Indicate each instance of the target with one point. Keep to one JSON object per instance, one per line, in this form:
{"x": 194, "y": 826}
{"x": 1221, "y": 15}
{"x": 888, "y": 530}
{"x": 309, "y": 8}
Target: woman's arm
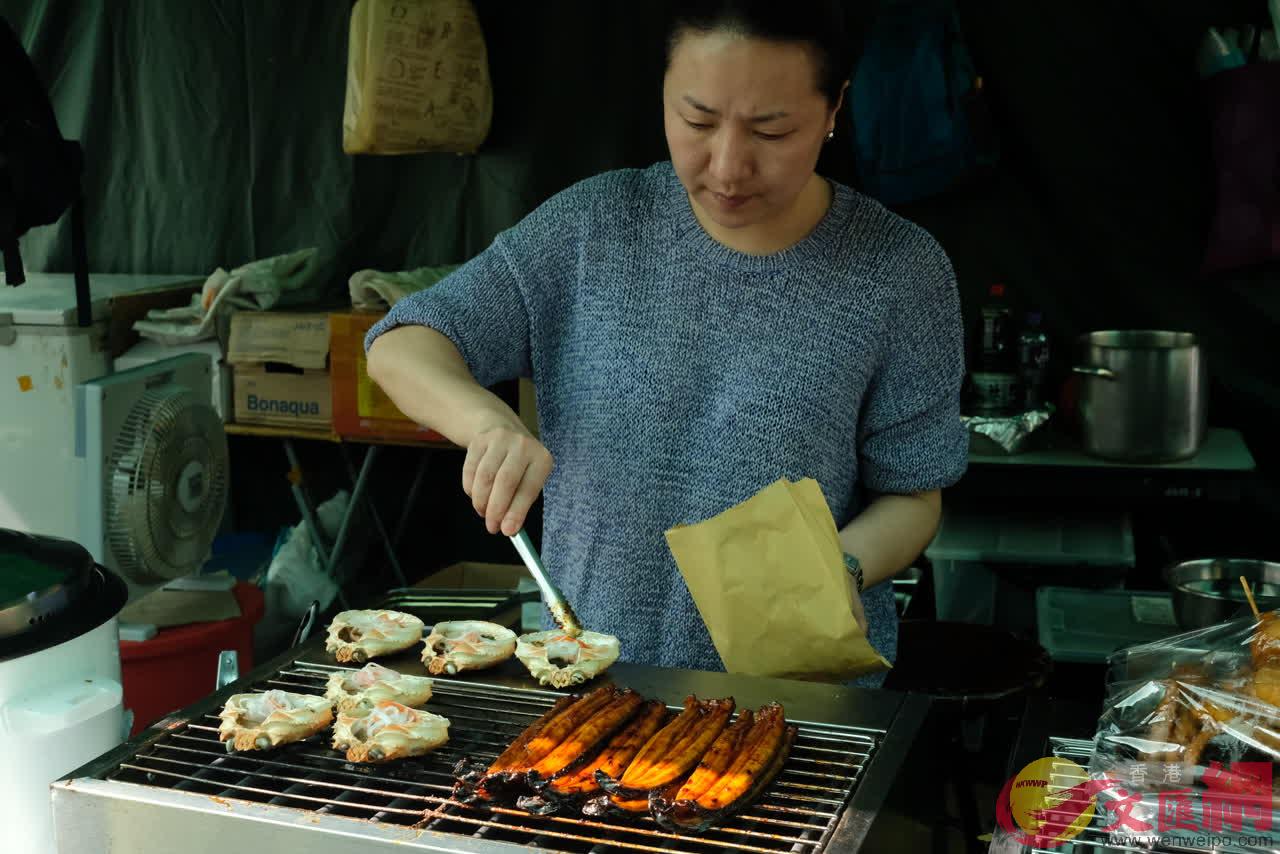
{"x": 426, "y": 377}
{"x": 423, "y": 373}
{"x": 892, "y": 532}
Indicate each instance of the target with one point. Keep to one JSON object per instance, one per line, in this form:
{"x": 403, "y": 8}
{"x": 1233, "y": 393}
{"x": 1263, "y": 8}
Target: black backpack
{"x": 39, "y": 170}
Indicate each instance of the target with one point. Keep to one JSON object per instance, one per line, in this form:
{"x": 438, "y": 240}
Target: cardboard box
{"x": 282, "y": 397}
{"x": 360, "y": 407}
{"x": 280, "y": 374}
{"x": 519, "y": 616}
{"x": 471, "y": 575}
{"x": 299, "y": 340}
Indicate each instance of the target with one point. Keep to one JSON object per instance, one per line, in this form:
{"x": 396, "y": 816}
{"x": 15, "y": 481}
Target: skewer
{"x": 1244, "y": 582}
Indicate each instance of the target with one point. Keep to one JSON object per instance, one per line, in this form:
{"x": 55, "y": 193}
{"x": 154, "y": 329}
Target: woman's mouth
{"x": 730, "y": 202}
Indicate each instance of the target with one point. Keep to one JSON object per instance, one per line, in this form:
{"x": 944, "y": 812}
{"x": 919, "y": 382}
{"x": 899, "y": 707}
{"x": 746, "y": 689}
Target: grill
{"x": 180, "y": 776}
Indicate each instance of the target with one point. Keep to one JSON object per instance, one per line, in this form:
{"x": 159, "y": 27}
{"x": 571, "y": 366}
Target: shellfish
{"x": 374, "y": 683}
{"x": 556, "y": 659}
{"x": 388, "y": 730}
{"x": 467, "y": 645}
{"x": 361, "y": 635}
{"x": 264, "y": 721}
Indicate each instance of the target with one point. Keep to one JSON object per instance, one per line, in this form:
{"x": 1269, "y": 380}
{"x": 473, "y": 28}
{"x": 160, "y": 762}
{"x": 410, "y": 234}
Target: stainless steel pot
{"x": 1208, "y": 592}
{"x": 1144, "y": 395}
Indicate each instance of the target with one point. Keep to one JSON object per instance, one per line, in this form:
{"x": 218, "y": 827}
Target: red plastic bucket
{"x": 178, "y": 666}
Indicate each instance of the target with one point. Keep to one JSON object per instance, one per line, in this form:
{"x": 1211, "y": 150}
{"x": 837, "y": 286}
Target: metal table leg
{"x": 305, "y": 506}
{"x": 357, "y": 495}
{"x": 387, "y": 545}
{"x": 412, "y": 498}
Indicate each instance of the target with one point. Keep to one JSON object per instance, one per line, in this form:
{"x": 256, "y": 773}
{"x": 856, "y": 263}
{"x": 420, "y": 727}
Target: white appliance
{"x": 60, "y": 698}
{"x": 132, "y": 466}
{"x": 44, "y": 355}
{"x": 154, "y": 465}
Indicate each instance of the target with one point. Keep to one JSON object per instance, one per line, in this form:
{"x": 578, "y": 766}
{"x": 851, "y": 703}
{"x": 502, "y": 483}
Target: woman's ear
{"x": 835, "y": 111}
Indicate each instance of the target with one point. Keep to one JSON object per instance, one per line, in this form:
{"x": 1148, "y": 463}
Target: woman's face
{"x": 745, "y": 122}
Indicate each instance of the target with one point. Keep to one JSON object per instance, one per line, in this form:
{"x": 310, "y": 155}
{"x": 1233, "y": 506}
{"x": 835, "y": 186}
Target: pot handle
{"x": 1102, "y": 373}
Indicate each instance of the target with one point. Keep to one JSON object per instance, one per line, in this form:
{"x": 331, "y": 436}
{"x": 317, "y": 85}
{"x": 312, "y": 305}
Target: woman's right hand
{"x": 504, "y": 471}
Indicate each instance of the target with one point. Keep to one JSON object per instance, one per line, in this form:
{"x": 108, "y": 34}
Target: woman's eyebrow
{"x": 703, "y": 108}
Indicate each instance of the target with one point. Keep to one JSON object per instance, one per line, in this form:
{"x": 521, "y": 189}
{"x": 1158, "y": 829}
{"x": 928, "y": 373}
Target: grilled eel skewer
{"x": 509, "y": 771}
{"x": 735, "y": 771}
{"x": 578, "y": 782}
{"x": 670, "y": 755}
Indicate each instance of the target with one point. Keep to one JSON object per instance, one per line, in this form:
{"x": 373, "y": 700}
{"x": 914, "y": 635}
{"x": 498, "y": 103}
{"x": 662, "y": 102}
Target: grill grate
{"x": 798, "y": 813}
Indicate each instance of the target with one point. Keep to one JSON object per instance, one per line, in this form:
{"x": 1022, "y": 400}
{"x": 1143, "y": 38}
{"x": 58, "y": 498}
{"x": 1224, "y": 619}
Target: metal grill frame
{"x": 820, "y": 802}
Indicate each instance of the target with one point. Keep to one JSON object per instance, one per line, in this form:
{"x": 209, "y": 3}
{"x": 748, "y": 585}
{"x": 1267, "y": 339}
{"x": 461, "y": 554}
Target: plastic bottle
{"x": 995, "y": 340}
{"x": 1033, "y": 361}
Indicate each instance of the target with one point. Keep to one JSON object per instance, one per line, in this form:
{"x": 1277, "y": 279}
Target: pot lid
{"x": 39, "y": 577}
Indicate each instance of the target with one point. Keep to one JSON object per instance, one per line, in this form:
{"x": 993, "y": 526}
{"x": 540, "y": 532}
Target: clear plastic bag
{"x": 1186, "y": 747}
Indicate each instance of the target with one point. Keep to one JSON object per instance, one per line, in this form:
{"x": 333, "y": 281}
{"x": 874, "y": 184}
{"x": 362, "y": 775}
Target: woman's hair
{"x": 816, "y": 24}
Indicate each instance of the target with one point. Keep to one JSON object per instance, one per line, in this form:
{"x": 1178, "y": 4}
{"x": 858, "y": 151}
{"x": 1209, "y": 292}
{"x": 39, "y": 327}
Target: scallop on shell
{"x": 556, "y": 659}
{"x": 374, "y": 683}
{"x": 467, "y": 645}
{"x": 264, "y": 721}
{"x": 386, "y": 731}
{"x": 361, "y": 635}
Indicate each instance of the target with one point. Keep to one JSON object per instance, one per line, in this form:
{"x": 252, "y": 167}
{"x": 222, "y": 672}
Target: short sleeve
{"x": 493, "y": 306}
{"x": 481, "y": 308}
{"x": 911, "y": 438}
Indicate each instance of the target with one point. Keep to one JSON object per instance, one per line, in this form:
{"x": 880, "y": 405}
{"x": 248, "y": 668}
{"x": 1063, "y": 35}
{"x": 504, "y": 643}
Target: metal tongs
{"x": 555, "y": 600}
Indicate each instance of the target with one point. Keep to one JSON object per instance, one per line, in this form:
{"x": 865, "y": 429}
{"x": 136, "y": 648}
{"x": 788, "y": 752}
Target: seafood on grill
{"x": 267, "y": 720}
{"x": 610, "y": 752}
{"x": 467, "y": 645}
{"x": 374, "y": 683}
{"x": 744, "y": 760}
{"x": 387, "y": 731}
{"x": 672, "y": 753}
{"x": 555, "y": 658}
{"x": 577, "y": 783}
{"x": 565, "y": 733}
{"x": 361, "y": 635}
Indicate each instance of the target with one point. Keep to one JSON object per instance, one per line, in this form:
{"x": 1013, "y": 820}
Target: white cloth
{"x": 256, "y": 285}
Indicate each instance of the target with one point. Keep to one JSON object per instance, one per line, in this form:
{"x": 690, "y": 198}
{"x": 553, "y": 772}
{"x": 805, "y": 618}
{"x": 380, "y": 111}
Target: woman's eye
{"x": 697, "y": 125}
{"x": 771, "y": 137}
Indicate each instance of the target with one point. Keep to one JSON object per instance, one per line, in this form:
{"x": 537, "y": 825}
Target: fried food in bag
{"x": 1189, "y": 737}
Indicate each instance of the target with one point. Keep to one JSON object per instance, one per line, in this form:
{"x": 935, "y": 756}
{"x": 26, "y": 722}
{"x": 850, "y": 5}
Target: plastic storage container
{"x": 976, "y": 557}
{"x": 1085, "y": 626}
{"x": 179, "y": 665}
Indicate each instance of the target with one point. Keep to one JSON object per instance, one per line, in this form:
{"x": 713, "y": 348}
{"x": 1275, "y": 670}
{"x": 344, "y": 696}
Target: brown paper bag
{"x": 768, "y": 578}
{"x": 417, "y": 78}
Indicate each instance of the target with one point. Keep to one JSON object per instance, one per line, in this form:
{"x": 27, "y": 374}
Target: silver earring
{"x": 831, "y": 134}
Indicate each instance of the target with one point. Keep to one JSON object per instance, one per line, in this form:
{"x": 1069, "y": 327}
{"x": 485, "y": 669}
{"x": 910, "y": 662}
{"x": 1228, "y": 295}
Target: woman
{"x": 697, "y": 330}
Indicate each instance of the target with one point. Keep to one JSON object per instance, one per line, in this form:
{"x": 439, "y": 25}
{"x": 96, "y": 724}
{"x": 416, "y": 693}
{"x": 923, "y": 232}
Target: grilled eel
{"x": 587, "y": 738}
{"x": 672, "y": 753}
{"x": 744, "y": 760}
{"x": 577, "y": 782}
{"x": 509, "y": 771}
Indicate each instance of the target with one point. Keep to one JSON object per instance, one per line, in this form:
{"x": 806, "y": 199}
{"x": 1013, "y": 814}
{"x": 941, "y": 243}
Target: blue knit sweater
{"x": 677, "y": 377}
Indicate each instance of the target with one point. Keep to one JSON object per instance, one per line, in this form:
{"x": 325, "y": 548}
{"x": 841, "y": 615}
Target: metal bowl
{"x": 1208, "y": 592}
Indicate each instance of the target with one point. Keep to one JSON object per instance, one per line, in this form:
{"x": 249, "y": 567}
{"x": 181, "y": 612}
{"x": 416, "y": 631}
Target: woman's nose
{"x": 730, "y": 159}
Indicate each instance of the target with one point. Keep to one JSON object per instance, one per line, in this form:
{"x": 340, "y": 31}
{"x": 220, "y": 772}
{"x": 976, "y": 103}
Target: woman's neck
{"x": 780, "y": 232}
